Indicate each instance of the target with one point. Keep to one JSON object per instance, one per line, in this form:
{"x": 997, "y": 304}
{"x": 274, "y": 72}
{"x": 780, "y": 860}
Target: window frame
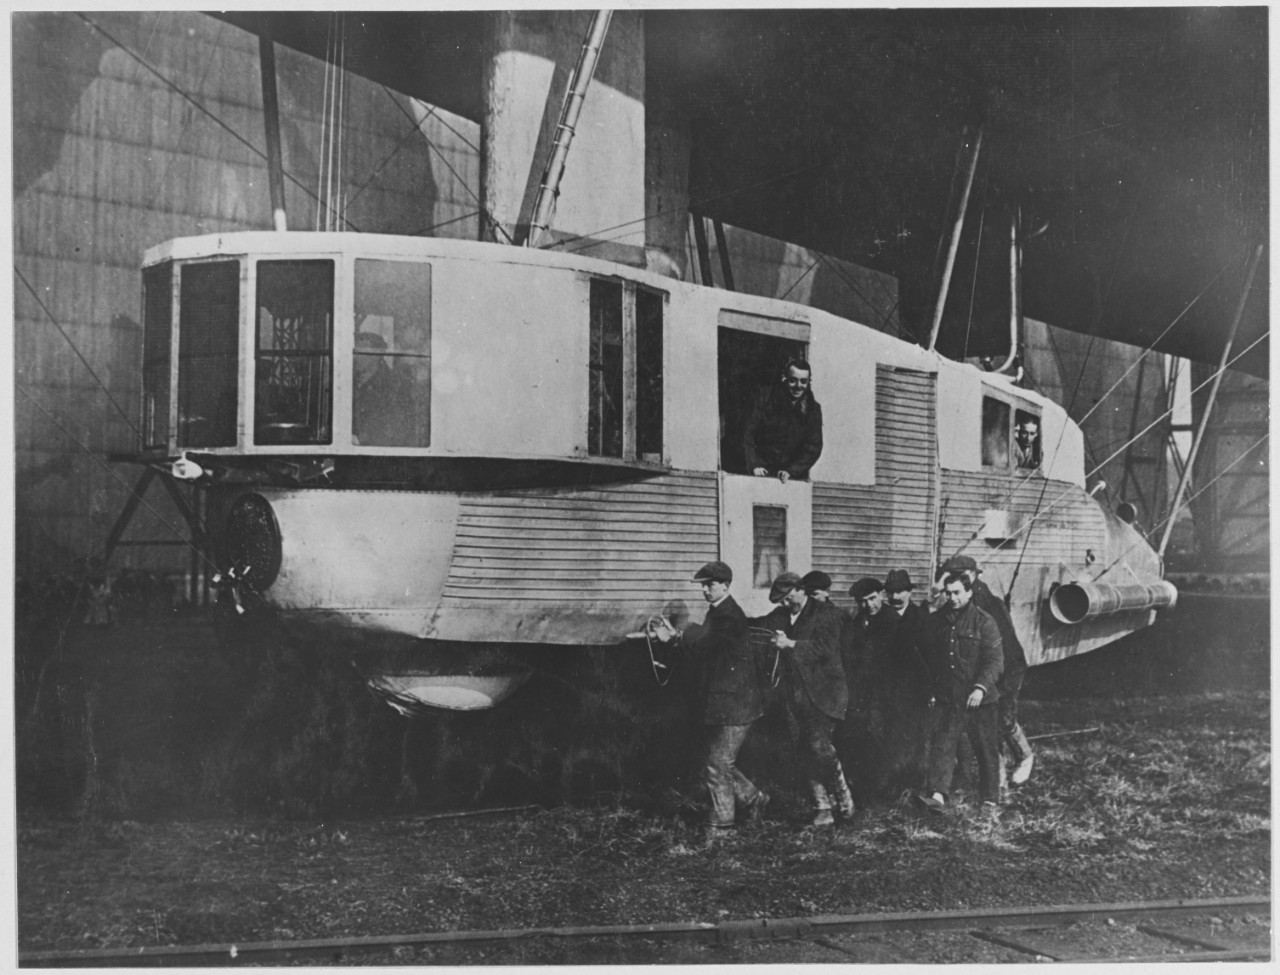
{"x": 1014, "y": 408}
{"x": 1026, "y": 412}
{"x": 630, "y": 406}
{"x": 178, "y": 326}
{"x": 250, "y": 324}
{"x": 346, "y": 331}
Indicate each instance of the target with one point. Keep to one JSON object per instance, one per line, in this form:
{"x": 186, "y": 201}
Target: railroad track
{"x": 1025, "y": 931}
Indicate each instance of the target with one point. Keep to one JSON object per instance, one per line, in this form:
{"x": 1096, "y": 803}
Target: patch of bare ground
{"x": 1162, "y": 798}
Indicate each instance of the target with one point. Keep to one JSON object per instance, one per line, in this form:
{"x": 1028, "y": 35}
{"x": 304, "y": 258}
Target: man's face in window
{"x": 796, "y": 381}
{"x": 1027, "y": 434}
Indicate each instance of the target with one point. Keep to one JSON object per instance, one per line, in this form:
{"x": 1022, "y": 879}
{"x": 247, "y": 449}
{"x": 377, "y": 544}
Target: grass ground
{"x": 1161, "y": 797}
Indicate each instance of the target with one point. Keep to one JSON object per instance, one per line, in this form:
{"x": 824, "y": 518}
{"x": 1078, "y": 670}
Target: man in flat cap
{"x": 807, "y": 633}
{"x": 734, "y": 697}
{"x": 963, "y": 650}
{"x": 873, "y": 681}
{"x": 1015, "y": 668}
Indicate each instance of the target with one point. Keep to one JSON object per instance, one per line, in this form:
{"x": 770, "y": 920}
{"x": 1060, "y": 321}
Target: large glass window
{"x": 624, "y": 384}
{"x": 995, "y": 433}
{"x": 208, "y": 353}
{"x": 604, "y": 417}
{"x": 157, "y": 342}
{"x": 294, "y": 354}
{"x": 391, "y": 366}
{"x": 769, "y": 544}
{"x": 649, "y": 306}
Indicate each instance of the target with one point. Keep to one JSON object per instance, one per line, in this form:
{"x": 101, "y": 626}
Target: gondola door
{"x": 766, "y": 526}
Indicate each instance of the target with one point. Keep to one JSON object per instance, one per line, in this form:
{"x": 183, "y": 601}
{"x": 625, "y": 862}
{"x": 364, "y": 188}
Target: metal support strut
{"x": 579, "y": 81}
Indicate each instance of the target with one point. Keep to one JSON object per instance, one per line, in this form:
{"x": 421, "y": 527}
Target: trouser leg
{"x": 725, "y": 784}
{"x": 1011, "y": 733}
{"x": 982, "y": 725}
{"x": 824, "y": 765}
{"x": 948, "y": 723}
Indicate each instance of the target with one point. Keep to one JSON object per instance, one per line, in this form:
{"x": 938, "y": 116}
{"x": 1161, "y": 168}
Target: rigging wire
{"x": 259, "y": 153}
{"x": 485, "y": 216}
{"x": 973, "y": 284}
{"x": 1042, "y": 511}
{"x": 1163, "y": 521}
{"x": 443, "y": 223}
{"x": 1058, "y": 444}
{"x": 594, "y": 239}
{"x": 96, "y": 378}
{"x": 796, "y": 283}
{"x": 1151, "y": 346}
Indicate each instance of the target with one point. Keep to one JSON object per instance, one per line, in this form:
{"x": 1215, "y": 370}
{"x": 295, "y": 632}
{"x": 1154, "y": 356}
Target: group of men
{"x": 895, "y": 678}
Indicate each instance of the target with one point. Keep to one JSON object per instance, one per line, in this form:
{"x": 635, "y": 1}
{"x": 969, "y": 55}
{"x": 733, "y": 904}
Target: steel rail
{"x": 335, "y": 949}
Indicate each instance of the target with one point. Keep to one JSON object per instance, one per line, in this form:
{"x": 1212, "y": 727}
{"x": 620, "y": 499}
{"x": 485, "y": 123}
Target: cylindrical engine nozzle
{"x": 1075, "y": 602}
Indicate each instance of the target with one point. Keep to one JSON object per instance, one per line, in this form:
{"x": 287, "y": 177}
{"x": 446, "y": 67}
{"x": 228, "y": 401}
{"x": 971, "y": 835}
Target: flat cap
{"x": 815, "y": 581}
{"x": 714, "y": 572}
{"x": 865, "y": 586}
{"x": 783, "y": 585}
{"x": 960, "y": 563}
{"x": 897, "y": 580}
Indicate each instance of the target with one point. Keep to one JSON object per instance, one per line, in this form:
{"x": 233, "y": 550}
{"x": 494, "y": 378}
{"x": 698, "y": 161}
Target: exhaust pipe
{"x": 1076, "y": 602}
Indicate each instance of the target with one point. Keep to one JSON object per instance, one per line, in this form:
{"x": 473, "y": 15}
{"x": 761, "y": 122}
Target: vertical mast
{"x": 271, "y": 119}
{"x": 955, "y": 244}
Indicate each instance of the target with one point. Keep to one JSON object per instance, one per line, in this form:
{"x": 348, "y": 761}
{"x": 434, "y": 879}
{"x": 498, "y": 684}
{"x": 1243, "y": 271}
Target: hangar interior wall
{"x": 132, "y": 128}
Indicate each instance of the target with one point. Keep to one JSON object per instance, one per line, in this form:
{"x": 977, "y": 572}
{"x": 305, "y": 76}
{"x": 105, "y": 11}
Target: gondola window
{"x": 208, "y": 353}
{"x": 649, "y": 375}
{"x": 157, "y": 342}
{"x": 995, "y": 433}
{"x": 294, "y": 354}
{"x": 391, "y": 364}
{"x": 624, "y": 381}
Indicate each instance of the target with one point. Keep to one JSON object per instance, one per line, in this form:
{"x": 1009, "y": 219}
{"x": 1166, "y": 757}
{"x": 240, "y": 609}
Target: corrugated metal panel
{"x": 631, "y": 543}
{"x": 869, "y": 529}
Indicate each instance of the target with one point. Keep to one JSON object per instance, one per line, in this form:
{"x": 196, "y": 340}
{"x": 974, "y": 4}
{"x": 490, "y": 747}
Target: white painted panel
{"x": 738, "y": 495}
{"x": 1062, "y": 447}
{"x": 844, "y": 383}
{"x": 691, "y": 414}
{"x": 486, "y": 401}
{"x": 375, "y": 558}
{"x": 960, "y": 418}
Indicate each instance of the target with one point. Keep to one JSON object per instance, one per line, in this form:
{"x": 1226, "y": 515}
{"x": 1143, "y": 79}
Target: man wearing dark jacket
{"x": 912, "y": 717}
{"x": 874, "y": 676}
{"x": 1015, "y": 667}
{"x": 807, "y": 633}
{"x": 964, "y": 655}
{"x": 782, "y": 437}
{"x": 735, "y": 686}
